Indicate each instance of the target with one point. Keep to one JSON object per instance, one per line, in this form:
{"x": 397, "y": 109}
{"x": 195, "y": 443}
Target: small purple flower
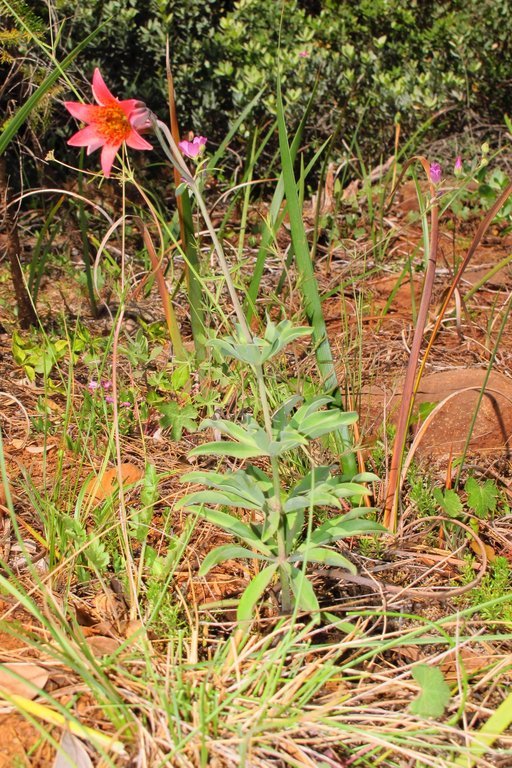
{"x": 436, "y": 173}
{"x": 109, "y": 399}
{"x": 303, "y": 55}
{"x": 125, "y": 404}
{"x": 193, "y": 148}
{"x": 106, "y": 385}
{"x": 457, "y": 168}
{"x": 92, "y": 386}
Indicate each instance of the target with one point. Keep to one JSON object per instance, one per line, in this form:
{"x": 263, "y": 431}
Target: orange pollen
{"x": 112, "y": 124}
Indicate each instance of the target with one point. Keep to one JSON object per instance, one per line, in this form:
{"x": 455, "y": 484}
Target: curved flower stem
{"x": 174, "y": 155}
{"x": 172, "y": 152}
{"x": 408, "y": 392}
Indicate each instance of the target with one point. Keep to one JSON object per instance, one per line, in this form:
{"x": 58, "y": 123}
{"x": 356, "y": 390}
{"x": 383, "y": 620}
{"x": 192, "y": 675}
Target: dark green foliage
{"x": 131, "y": 53}
{"x": 376, "y": 60}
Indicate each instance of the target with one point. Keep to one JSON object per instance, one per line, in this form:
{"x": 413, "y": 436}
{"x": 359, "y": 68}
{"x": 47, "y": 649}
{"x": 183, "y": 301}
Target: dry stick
{"x": 183, "y": 205}
{"x": 391, "y": 502}
{"x": 26, "y": 312}
{"x": 390, "y": 510}
{"x": 170, "y": 317}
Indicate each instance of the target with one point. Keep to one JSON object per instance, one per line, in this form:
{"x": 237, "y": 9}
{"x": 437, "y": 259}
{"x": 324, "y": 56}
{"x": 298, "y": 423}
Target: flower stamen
{"x": 112, "y": 124}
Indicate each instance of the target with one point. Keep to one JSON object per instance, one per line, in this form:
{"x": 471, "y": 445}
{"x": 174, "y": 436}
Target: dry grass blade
{"x": 407, "y": 402}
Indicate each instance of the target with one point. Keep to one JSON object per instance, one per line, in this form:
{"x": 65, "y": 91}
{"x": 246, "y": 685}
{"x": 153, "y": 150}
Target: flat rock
{"x": 447, "y": 434}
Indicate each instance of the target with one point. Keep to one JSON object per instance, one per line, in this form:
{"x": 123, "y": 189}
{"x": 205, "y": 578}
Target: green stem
{"x": 174, "y": 155}
{"x": 86, "y": 256}
{"x": 286, "y": 601}
{"x": 172, "y": 152}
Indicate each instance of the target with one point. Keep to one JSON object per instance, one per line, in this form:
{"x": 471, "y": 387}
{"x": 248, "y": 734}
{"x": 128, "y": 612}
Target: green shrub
{"x": 376, "y": 60}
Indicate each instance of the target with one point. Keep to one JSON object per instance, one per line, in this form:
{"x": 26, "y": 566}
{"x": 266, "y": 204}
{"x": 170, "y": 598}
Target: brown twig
{"x": 26, "y": 313}
{"x": 393, "y": 484}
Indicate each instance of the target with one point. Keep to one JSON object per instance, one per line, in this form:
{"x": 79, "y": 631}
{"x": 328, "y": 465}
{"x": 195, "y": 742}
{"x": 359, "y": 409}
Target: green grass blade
{"x": 491, "y": 730}
{"x": 275, "y": 218}
{"x": 308, "y": 283}
{"x": 232, "y": 131}
{"x": 20, "y": 117}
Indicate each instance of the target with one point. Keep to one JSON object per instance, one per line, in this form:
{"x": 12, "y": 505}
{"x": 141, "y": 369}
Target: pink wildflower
{"x": 109, "y": 399}
{"x": 110, "y": 124}
{"x": 193, "y": 148}
{"x": 457, "y": 168}
{"x": 106, "y": 385}
{"x": 436, "y": 173}
{"x": 92, "y": 386}
{"x": 125, "y": 404}
{"x": 303, "y": 55}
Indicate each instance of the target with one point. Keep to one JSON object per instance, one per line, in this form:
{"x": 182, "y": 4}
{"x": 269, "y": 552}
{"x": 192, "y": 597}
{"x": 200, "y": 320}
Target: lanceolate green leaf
{"x": 227, "y": 448}
{"x": 223, "y": 499}
{"x": 318, "y": 424}
{"x": 325, "y": 556}
{"x": 254, "y": 591}
{"x": 303, "y": 591}
{"x": 240, "y": 482}
{"x": 226, "y": 552}
{"x": 232, "y": 525}
{"x": 15, "y": 123}
{"x": 328, "y": 532}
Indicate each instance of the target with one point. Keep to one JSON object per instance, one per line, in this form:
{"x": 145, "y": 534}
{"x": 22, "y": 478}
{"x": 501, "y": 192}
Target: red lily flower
{"x": 109, "y": 125}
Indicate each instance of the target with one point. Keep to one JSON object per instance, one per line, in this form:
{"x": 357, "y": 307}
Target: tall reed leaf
{"x": 20, "y": 117}
{"x": 275, "y": 218}
{"x": 308, "y": 284}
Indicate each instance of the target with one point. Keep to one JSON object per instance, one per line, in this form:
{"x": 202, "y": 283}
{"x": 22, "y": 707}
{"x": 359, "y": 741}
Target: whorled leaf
{"x": 226, "y": 552}
{"x": 254, "y": 591}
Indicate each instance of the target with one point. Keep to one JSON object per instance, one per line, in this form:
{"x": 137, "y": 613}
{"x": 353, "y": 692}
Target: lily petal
{"x": 100, "y": 91}
{"x": 135, "y": 141}
{"x": 84, "y": 112}
{"x": 85, "y": 137}
{"x": 95, "y": 144}
{"x": 108, "y": 155}
{"x": 128, "y": 105}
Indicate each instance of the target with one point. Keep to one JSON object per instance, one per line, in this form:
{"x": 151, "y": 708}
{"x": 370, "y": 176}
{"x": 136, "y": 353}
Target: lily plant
{"x": 279, "y": 511}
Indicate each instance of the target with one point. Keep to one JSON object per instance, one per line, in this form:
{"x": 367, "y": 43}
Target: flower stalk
{"x": 172, "y": 152}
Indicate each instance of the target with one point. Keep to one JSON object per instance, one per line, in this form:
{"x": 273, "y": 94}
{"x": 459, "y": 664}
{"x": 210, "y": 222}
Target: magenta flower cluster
{"x": 193, "y": 148}
{"x": 93, "y": 386}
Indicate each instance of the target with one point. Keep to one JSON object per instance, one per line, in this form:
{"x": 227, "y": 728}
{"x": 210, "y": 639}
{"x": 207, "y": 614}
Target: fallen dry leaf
{"x": 409, "y": 652}
{"x": 40, "y": 449}
{"x": 489, "y": 551}
{"x": 468, "y": 659}
{"x": 71, "y": 753}
{"x": 100, "y": 488}
{"x": 101, "y": 645}
{"x": 132, "y": 627}
{"x": 32, "y": 674}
